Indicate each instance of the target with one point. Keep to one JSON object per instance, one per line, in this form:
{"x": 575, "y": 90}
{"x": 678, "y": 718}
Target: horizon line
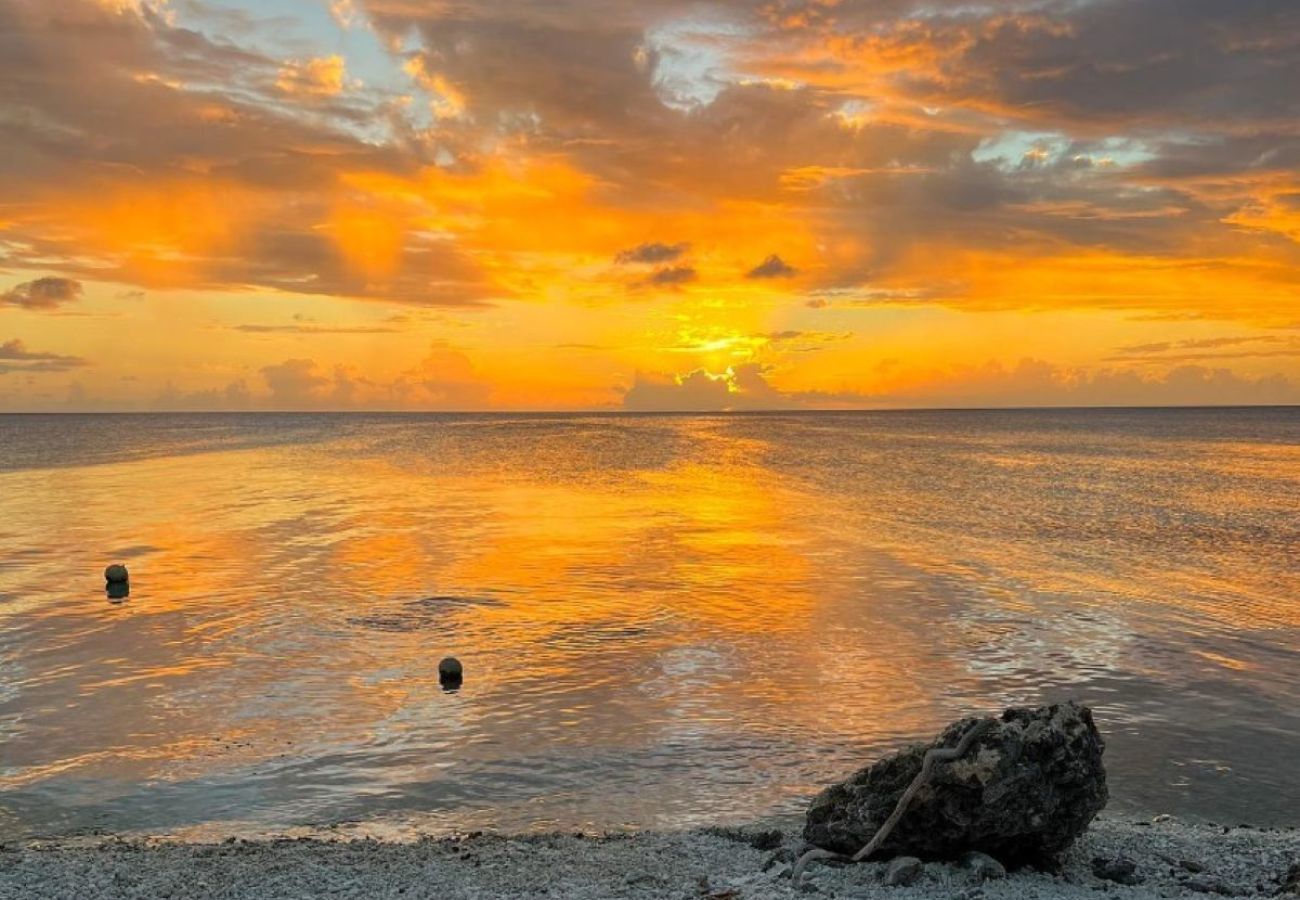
{"x": 649, "y": 412}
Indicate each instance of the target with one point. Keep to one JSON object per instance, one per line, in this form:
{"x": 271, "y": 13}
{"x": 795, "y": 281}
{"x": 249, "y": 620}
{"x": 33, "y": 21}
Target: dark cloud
{"x": 315, "y": 329}
{"x": 15, "y": 357}
{"x": 1206, "y": 349}
{"x": 771, "y": 267}
{"x": 805, "y": 341}
{"x": 652, "y": 252}
{"x": 670, "y": 275}
{"x": 42, "y": 293}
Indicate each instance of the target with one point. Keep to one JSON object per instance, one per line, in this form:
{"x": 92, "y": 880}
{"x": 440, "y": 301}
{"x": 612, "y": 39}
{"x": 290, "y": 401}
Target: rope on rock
{"x": 932, "y": 756}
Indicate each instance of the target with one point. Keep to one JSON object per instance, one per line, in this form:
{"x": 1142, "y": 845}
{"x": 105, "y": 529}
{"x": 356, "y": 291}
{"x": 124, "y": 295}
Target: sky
{"x": 648, "y": 204}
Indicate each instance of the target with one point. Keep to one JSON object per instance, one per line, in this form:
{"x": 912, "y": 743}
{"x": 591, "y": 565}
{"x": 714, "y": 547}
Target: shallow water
{"x": 664, "y": 620}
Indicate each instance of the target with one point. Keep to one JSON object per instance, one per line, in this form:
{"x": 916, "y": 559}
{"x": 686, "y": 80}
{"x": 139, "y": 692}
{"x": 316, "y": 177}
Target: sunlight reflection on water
{"x": 664, "y": 620}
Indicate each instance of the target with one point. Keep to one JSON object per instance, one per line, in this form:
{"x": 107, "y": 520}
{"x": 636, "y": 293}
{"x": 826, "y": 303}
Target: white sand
{"x": 696, "y": 864}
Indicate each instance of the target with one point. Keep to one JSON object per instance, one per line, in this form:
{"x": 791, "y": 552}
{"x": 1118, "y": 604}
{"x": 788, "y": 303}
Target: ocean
{"x": 664, "y": 620}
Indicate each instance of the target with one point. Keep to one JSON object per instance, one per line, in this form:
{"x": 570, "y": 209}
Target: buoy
{"x": 451, "y": 672}
{"x": 116, "y": 574}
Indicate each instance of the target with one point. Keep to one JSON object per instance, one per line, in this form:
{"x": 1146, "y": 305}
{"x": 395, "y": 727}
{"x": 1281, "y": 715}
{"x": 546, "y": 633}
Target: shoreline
{"x": 1173, "y": 859}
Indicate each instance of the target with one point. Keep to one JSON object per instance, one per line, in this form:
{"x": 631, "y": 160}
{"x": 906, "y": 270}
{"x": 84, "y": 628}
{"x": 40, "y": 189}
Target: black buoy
{"x": 117, "y": 582}
{"x": 450, "y": 673}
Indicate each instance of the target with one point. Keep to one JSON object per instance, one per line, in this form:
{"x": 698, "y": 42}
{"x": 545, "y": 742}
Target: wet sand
{"x": 1173, "y": 860}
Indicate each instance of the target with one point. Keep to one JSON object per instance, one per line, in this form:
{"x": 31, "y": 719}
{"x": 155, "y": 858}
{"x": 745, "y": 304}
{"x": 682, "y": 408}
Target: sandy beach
{"x": 1172, "y": 860}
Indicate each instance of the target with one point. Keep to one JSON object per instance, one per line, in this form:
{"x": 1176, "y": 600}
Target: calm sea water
{"x": 665, "y": 621}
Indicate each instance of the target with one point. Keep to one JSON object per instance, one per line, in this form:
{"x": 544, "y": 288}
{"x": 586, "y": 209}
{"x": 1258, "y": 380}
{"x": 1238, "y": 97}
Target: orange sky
{"x": 647, "y": 204}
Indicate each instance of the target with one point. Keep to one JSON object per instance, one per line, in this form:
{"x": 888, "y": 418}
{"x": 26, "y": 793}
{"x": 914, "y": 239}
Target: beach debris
{"x": 783, "y": 858}
{"x": 1291, "y": 880}
{"x": 1020, "y": 788}
{"x": 763, "y": 839}
{"x": 450, "y": 672}
{"x": 1207, "y": 885}
{"x": 116, "y": 574}
{"x": 1120, "y": 870}
{"x": 1187, "y": 865}
{"x": 981, "y": 866}
{"x": 903, "y": 870}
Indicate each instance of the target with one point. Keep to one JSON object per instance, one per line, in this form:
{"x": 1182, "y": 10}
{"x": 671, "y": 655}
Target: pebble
{"x": 982, "y": 866}
{"x": 1209, "y": 886}
{"x": 1291, "y": 880}
{"x": 784, "y": 856}
{"x": 1120, "y": 870}
{"x": 902, "y": 871}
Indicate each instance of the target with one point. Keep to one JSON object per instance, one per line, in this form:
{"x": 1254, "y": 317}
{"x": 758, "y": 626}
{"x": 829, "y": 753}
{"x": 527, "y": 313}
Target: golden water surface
{"x": 663, "y": 620}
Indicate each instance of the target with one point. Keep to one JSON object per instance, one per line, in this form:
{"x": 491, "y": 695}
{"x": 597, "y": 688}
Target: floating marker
{"x": 450, "y": 672}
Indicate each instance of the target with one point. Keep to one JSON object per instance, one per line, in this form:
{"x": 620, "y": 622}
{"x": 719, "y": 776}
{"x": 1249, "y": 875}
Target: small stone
{"x": 1208, "y": 886}
{"x": 1190, "y": 865}
{"x": 765, "y": 840}
{"x": 1291, "y": 880}
{"x": 116, "y": 574}
{"x": 982, "y": 866}
{"x": 450, "y": 671}
{"x": 902, "y": 871}
{"x": 784, "y": 856}
{"x": 1121, "y": 870}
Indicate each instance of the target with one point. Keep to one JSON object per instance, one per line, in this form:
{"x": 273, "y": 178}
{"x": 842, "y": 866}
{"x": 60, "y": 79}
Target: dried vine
{"x": 932, "y": 756}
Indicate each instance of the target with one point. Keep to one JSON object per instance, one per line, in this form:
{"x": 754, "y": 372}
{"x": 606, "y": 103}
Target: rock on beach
{"x": 1022, "y": 793}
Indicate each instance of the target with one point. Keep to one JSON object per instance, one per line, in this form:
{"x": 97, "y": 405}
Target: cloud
{"x": 203, "y": 172}
{"x": 671, "y": 275}
{"x": 235, "y": 396}
{"x": 771, "y": 267}
{"x": 1205, "y": 349}
{"x": 739, "y": 387}
{"x": 315, "y": 329}
{"x": 1028, "y": 383}
{"x": 652, "y": 252}
{"x": 445, "y": 379}
{"x": 42, "y": 293}
{"x": 1037, "y": 383}
{"x": 295, "y": 384}
{"x": 15, "y": 357}
{"x": 323, "y": 76}
{"x": 886, "y": 143}
{"x": 796, "y": 341}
